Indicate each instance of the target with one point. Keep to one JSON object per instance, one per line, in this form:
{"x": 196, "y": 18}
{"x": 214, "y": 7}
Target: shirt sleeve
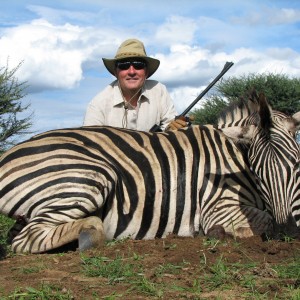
{"x": 94, "y": 115}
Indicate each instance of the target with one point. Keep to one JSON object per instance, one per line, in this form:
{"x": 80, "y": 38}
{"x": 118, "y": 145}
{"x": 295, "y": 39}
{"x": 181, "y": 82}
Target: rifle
{"x": 227, "y": 66}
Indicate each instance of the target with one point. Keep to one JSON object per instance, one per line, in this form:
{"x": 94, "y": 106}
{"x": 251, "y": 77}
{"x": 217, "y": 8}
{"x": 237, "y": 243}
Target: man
{"x": 132, "y": 100}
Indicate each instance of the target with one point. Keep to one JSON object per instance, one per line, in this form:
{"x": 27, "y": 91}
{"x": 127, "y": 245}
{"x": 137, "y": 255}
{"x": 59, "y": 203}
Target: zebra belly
{"x": 135, "y": 225}
{"x": 131, "y": 232}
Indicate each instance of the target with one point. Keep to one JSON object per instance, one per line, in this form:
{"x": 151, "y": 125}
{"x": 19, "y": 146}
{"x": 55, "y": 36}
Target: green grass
{"x": 169, "y": 268}
{"x": 115, "y": 270}
{"x": 121, "y": 269}
{"x": 5, "y": 225}
{"x": 219, "y": 276}
{"x": 130, "y": 271}
{"x": 45, "y": 292}
{"x": 251, "y": 280}
{"x": 293, "y": 270}
{"x": 31, "y": 270}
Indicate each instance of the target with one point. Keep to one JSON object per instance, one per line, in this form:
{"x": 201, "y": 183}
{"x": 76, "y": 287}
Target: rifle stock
{"x": 227, "y": 66}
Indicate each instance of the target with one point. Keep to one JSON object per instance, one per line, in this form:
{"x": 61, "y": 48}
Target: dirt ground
{"x": 198, "y": 264}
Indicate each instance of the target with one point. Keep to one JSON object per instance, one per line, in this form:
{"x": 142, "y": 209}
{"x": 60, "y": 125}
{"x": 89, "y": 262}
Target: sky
{"x": 60, "y": 45}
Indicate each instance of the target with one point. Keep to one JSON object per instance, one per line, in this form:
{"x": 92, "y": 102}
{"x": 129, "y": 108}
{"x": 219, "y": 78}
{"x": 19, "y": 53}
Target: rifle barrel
{"x": 227, "y": 66}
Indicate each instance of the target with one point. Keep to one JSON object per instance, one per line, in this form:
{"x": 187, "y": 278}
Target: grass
{"x": 32, "y": 270}
{"x": 168, "y": 268}
{"x": 126, "y": 274}
{"x": 216, "y": 278}
{"x": 45, "y": 292}
{"x": 293, "y": 271}
{"x": 5, "y": 225}
{"x": 254, "y": 281}
{"x": 120, "y": 269}
{"x": 115, "y": 270}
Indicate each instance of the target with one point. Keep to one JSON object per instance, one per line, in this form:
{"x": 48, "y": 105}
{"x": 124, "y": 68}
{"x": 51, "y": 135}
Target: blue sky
{"x": 61, "y": 44}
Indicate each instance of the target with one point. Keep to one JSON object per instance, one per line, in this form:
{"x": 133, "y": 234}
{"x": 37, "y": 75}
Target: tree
{"x": 211, "y": 108}
{"x": 11, "y": 94}
{"x": 282, "y": 92}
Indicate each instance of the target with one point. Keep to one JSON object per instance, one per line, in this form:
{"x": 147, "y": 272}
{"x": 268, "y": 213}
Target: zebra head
{"x": 273, "y": 154}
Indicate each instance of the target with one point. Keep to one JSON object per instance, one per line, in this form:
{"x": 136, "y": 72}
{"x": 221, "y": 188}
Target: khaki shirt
{"x": 154, "y": 107}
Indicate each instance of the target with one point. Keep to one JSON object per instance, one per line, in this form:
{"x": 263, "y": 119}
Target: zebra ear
{"x": 265, "y": 113}
{"x": 293, "y": 123}
{"x": 240, "y": 134}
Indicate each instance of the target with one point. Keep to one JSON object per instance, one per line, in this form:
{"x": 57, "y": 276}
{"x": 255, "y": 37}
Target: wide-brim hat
{"x": 132, "y": 48}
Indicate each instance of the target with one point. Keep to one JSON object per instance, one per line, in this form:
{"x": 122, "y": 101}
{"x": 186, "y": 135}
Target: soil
{"x": 178, "y": 268}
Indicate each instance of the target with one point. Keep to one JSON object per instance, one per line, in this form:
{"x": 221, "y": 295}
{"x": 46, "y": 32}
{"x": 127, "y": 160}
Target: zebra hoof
{"x": 216, "y": 231}
{"x": 89, "y": 238}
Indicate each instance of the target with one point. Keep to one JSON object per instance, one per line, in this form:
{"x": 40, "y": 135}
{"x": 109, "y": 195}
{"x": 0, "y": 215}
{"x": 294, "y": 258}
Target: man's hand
{"x": 179, "y": 123}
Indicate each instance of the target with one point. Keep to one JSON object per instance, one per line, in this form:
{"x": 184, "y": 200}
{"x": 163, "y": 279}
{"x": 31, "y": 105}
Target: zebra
{"x": 91, "y": 184}
{"x": 273, "y": 153}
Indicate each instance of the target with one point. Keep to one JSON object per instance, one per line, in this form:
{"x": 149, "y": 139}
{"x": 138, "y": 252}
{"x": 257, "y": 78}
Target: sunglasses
{"x": 125, "y": 65}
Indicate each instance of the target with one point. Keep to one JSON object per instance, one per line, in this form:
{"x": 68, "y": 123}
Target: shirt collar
{"x": 118, "y": 98}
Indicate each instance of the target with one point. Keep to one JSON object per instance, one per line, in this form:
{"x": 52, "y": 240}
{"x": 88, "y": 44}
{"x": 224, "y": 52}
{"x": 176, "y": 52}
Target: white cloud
{"x": 273, "y": 60}
{"x": 282, "y": 16}
{"x": 60, "y": 15}
{"x": 48, "y": 59}
{"x": 183, "y": 97}
{"x": 269, "y": 16}
{"x": 176, "y": 29}
{"x": 53, "y": 55}
{"x": 192, "y": 41}
{"x": 194, "y": 66}
{"x": 191, "y": 50}
{"x": 190, "y": 66}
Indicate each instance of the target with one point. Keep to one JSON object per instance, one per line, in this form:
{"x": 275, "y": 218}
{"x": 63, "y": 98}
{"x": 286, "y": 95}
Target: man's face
{"x": 131, "y": 74}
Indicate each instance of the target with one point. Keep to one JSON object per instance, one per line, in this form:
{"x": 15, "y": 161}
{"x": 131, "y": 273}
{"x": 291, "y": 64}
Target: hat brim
{"x": 152, "y": 64}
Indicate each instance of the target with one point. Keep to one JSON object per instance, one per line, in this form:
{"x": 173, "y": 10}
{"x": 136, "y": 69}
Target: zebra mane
{"x": 243, "y": 112}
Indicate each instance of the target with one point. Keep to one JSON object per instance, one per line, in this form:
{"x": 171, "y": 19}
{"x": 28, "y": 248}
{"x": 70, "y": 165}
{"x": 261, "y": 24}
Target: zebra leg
{"x": 239, "y": 221}
{"x": 16, "y": 229}
{"x": 41, "y": 235}
{"x": 90, "y": 238}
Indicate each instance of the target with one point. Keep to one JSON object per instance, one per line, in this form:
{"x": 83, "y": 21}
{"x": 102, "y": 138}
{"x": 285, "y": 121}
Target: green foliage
{"x": 211, "y": 108}
{"x": 5, "y": 225}
{"x": 282, "y": 92}
{"x": 11, "y": 105}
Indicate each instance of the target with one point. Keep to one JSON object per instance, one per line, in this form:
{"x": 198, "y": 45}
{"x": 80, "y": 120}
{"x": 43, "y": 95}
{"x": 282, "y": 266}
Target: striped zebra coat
{"x": 273, "y": 153}
{"x": 99, "y": 183}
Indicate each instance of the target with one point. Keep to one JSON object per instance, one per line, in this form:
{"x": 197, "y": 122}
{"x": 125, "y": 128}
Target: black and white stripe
{"x": 273, "y": 154}
{"x": 95, "y": 183}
